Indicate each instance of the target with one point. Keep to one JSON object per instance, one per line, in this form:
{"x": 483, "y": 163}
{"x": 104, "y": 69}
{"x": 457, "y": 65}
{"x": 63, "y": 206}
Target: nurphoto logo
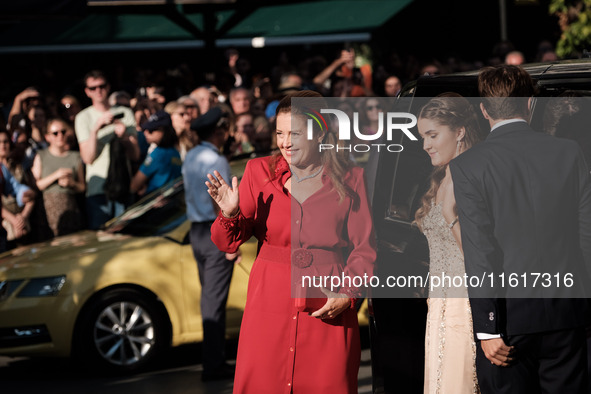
{"x": 402, "y": 121}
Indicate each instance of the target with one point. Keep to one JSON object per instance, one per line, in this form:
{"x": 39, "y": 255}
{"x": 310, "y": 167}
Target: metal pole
{"x": 503, "y": 19}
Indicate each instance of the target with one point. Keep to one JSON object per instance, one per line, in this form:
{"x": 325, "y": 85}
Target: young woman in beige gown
{"x": 448, "y": 126}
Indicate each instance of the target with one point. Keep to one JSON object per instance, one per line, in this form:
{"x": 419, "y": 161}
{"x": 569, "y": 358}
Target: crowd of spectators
{"x": 59, "y": 148}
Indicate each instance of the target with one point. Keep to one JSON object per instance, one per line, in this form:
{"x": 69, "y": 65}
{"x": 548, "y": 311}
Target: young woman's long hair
{"x": 336, "y": 163}
{"x": 455, "y": 112}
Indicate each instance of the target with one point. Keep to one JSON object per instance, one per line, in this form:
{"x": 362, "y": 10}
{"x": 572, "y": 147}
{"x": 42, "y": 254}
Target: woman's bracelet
{"x": 231, "y": 216}
{"x": 453, "y": 223}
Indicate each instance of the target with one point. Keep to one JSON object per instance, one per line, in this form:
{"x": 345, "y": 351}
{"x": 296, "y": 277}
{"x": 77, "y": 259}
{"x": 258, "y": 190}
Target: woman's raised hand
{"x": 224, "y": 195}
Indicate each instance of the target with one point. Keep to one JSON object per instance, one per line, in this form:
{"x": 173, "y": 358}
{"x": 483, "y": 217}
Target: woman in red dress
{"x": 312, "y": 208}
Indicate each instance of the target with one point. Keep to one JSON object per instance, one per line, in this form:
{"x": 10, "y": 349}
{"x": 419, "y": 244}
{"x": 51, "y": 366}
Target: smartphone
{"x": 118, "y": 116}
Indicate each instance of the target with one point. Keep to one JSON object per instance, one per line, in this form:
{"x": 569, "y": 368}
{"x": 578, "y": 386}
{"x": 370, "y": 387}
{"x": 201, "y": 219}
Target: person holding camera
{"x": 342, "y": 77}
{"x": 97, "y": 127}
{"x": 23, "y": 102}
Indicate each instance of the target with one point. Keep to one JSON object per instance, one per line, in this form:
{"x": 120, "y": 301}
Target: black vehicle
{"x": 397, "y": 325}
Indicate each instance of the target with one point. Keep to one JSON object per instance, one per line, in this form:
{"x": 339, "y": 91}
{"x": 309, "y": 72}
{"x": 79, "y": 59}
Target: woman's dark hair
{"x": 562, "y": 107}
{"x": 568, "y": 116}
{"x": 16, "y": 155}
{"x": 362, "y": 110}
{"x": 169, "y": 137}
{"x": 10, "y": 143}
{"x": 21, "y": 123}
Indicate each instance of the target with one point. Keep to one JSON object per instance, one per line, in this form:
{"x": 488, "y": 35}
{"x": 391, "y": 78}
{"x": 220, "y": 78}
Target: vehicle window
{"x": 412, "y": 167}
{"x": 411, "y": 181}
{"x": 409, "y": 169}
{"x": 158, "y": 213}
{"x": 548, "y": 102}
{"x": 431, "y": 87}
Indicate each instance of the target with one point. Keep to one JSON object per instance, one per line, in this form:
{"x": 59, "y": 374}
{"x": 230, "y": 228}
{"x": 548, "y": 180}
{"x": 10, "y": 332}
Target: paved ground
{"x": 179, "y": 372}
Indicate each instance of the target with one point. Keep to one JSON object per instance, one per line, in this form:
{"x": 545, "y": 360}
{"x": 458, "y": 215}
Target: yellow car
{"x": 116, "y": 297}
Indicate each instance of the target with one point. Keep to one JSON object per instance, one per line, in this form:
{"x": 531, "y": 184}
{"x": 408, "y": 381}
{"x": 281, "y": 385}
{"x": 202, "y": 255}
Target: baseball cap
{"x": 157, "y": 120}
{"x": 206, "y": 123}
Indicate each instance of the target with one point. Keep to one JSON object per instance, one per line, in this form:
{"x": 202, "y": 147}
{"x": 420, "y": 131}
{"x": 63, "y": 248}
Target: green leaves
{"x": 574, "y": 18}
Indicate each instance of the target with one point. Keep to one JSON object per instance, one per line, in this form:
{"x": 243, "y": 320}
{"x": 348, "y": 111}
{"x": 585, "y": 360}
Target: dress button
{"x": 289, "y": 383}
{"x": 294, "y": 317}
{"x": 291, "y": 348}
{"x": 297, "y": 222}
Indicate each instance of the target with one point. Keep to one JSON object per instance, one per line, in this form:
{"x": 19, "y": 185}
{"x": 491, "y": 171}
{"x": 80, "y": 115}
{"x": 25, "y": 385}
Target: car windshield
{"x": 157, "y": 213}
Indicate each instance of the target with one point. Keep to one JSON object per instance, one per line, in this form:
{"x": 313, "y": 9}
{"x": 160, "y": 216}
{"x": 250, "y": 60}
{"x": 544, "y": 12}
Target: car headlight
{"x": 42, "y": 287}
{"x": 7, "y": 287}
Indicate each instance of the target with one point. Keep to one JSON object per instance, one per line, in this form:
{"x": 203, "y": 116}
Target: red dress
{"x": 281, "y": 348}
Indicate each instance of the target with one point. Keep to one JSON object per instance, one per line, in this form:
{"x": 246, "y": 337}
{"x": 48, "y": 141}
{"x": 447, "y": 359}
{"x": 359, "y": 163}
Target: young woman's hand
{"x": 224, "y": 195}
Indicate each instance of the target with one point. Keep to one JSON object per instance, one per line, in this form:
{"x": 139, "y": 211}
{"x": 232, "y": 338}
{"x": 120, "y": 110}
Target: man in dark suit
{"x": 524, "y": 205}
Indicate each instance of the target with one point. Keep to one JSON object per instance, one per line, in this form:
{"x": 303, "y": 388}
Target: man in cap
{"x": 215, "y": 267}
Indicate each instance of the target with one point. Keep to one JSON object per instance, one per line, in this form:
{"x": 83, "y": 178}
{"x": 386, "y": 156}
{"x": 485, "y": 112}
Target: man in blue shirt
{"x": 215, "y": 269}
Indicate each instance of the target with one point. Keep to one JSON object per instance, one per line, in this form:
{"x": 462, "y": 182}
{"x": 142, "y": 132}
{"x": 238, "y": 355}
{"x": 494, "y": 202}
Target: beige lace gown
{"x": 450, "y": 351}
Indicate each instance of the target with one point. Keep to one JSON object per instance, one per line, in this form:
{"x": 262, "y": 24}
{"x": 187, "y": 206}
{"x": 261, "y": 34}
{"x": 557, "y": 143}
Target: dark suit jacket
{"x": 524, "y": 204}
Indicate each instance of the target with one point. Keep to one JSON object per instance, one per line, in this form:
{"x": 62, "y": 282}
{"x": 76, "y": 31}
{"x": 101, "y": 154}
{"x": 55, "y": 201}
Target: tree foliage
{"x": 574, "y": 18}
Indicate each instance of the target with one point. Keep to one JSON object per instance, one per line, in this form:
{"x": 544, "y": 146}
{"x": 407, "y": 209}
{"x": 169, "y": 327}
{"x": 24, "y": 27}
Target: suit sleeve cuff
{"x": 482, "y": 336}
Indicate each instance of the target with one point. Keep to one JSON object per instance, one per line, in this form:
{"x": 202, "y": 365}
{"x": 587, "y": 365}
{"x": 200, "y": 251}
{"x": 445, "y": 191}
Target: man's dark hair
{"x": 505, "y": 81}
{"x": 96, "y": 74}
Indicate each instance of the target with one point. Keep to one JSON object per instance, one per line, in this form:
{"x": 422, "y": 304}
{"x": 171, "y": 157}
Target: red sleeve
{"x": 229, "y": 234}
{"x": 361, "y": 260}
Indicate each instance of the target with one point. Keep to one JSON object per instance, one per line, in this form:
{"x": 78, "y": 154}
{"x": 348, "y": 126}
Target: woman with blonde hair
{"x": 448, "y": 126}
{"x": 59, "y": 173}
{"x": 181, "y": 123}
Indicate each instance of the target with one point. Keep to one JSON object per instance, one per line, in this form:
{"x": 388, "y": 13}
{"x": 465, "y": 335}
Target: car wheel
{"x": 122, "y": 331}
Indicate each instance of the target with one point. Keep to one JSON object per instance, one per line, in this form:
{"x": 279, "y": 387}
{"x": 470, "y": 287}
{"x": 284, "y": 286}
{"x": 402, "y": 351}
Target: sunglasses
{"x": 371, "y": 107}
{"x": 93, "y": 88}
{"x": 55, "y": 133}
